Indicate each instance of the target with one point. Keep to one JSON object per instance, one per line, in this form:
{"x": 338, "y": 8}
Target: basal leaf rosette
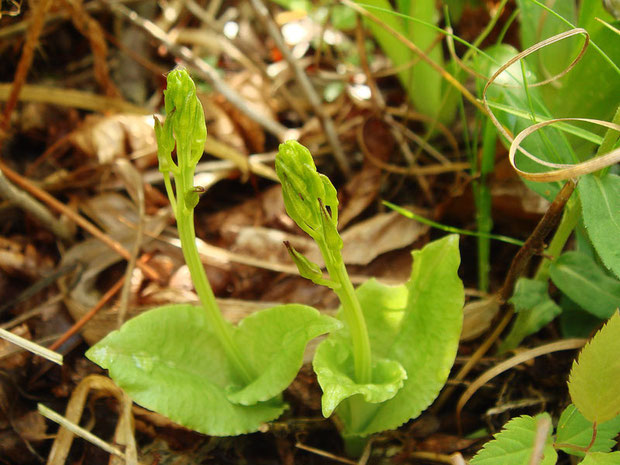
{"x": 414, "y": 327}
{"x": 169, "y": 360}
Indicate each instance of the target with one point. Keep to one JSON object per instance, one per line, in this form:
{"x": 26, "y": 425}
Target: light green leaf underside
{"x": 169, "y": 360}
{"x": 388, "y": 376}
{"x": 574, "y": 429}
{"x": 602, "y": 458}
{"x": 274, "y": 341}
{"x": 594, "y": 383}
{"x": 514, "y": 444}
{"x": 600, "y": 200}
{"x": 583, "y": 281}
{"x": 417, "y": 325}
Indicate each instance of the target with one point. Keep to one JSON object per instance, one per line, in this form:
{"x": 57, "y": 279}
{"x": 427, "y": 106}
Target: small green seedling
{"x": 587, "y": 427}
{"x": 187, "y": 362}
{"x": 397, "y": 344}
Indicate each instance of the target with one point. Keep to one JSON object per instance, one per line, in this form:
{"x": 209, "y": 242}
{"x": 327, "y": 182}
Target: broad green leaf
{"x": 548, "y": 144}
{"x": 594, "y": 383}
{"x": 417, "y": 325}
{"x": 575, "y": 321}
{"x": 514, "y": 445}
{"x": 582, "y": 280}
{"x": 600, "y": 201}
{"x": 534, "y": 308}
{"x": 333, "y": 364}
{"x": 574, "y": 429}
{"x": 274, "y": 341}
{"x": 601, "y": 458}
{"x": 168, "y": 360}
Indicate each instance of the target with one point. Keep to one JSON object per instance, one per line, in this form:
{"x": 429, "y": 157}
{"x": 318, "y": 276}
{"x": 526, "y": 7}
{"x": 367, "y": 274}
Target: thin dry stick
{"x": 567, "y": 344}
{"x": 34, "y": 31}
{"x": 89, "y": 315}
{"x": 325, "y": 454}
{"x": 72, "y": 98}
{"x": 473, "y": 360}
{"x": 535, "y": 242}
{"x": 31, "y": 346}
{"x": 74, "y": 216}
{"x": 32, "y": 206}
{"x": 91, "y": 29}
{"x": 415, "y": 49}
{"x": 306, "y": 85}
{"x": 79, "y": 431}
{"x": 203, "y": 69}
{"x": 542, "y": 432}
{"x": 389, "y": 119}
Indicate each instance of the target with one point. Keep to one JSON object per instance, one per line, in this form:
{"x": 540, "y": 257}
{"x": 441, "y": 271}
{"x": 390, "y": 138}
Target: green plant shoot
{"x": 187, "y": 362}
{"x": 398, "y": 343}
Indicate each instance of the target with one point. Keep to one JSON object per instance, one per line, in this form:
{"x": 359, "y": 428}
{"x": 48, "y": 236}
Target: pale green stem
{"x": 170, "y": 193}
{"x": 187, "y": 234}
{"x": 570, "y": 218}
{"x": 353, "y": 315}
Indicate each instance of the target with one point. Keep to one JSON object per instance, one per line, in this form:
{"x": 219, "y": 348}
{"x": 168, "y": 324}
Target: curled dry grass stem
{"x": 561, "y": 171}
{"x": 567, "y": 344}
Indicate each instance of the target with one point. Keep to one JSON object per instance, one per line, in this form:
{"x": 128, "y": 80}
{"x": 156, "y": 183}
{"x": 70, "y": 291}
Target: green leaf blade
{"x": 600, "y": 200}
{"x": 169, "y": 360}
{"x": 417, "y": 325}
{"x": 582, "y": 280}
{"x": 574, "y": 429}
{"x": 150, "y": 358}
{"x": 602, "y": 458}
{"x": 594, "y": 383}
{"x": 514, "y": 445}
{"x": 274, "y": 341}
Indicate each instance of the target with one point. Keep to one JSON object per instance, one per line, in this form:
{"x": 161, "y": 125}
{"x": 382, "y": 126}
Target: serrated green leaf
{"x": 534, "y": 308}
{"x": 574, "y": 429}
{"x": 600, "y": 201}
{"x": 168, "y": 360}
{"x": 515, "y": 443}
{"x": 417, "y": 325}
{"x": 579, "y": 277}
{"x": 594, "y": 383}
{"x": 601, "y": 458}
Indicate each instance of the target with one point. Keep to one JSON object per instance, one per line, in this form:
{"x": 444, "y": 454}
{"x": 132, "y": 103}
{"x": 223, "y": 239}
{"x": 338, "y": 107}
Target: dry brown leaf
{"x": 109, "y": 137}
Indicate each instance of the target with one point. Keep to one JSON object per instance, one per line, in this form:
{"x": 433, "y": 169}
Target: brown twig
{"x": 306, "y": 86}
{"x": 202, "y": 69}
{"x": 88, "y": 315}
{"x": 534, "y": 244}
{"x": 48, "y": 199}
{"x": 32, "y": 37}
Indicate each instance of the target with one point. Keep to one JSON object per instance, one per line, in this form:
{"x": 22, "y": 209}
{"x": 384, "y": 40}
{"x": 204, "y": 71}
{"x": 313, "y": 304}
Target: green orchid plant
{"x": 387, "y": 356}
{"x": 397, "y": 344}
{"x": 187, "y": 362}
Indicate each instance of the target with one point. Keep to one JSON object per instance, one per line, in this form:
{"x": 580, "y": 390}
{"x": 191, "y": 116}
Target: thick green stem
{"x": 353, "y": 315}
{"x": 187, "y": 234}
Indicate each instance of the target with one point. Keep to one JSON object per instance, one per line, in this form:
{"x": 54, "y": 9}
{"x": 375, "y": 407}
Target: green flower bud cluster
{"x": 184, "y": 120}
{"x": 309, "y": 197}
